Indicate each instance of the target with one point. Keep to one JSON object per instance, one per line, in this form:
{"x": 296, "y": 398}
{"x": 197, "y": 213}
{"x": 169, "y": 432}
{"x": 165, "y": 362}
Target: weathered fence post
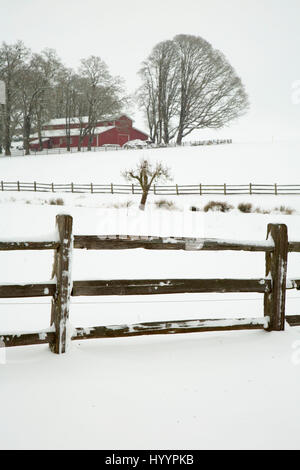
{"x": 276, "y": 269}
{"x": 62, "y": 271}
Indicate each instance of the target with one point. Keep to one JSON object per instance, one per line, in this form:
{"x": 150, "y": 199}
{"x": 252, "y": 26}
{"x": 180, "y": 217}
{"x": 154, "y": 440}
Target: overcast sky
{"x": 260, "y": 38}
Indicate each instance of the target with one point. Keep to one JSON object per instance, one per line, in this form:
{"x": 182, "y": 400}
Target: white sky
{"x": 260, "y": 38}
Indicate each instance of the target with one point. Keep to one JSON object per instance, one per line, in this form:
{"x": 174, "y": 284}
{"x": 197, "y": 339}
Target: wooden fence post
{"x": 276, "y": 269}
{"x": 62, "y": 270}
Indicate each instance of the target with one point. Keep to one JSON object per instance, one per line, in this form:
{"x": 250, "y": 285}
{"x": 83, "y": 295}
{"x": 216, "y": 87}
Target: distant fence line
{"x": 175, "y": 190}
{"x": 104, "y": 148}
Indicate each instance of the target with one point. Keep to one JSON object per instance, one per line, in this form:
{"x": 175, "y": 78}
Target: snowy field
{"x": 231, "y": 390}
{"x": 237, "y": 163}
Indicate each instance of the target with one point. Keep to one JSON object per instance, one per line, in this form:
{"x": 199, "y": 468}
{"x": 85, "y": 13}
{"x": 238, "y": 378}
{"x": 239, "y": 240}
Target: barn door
{"x": 122, "y": 139}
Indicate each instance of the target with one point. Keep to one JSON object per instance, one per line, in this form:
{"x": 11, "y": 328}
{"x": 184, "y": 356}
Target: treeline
{"x": 185, "y": 85}
{"x": 40, "y": 87}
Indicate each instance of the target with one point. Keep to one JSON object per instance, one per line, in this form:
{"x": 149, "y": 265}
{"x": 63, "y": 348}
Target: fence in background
{"x": 174, "y": 190}
{"x": 105, "y": 148}
{"x": 273, "y": 285}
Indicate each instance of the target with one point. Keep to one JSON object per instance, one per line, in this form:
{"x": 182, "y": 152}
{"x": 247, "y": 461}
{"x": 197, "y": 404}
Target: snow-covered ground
{"x": 237, "y": 163}
{"x": 208, "y": 390}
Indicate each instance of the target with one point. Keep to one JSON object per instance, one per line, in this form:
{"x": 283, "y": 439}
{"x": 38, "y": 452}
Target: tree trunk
{"x": 90, "y": 142}
{"x": 179, "y": 137}
{"x": 7, "y": 137}
{"x": 40, "y": 137}
{"x": 80, "y": 139}
{"x": 143, "y": 200}
{"x": 68, "y": 134}
{"x": 7, "y": 123}
{"x": 27, "y": 127}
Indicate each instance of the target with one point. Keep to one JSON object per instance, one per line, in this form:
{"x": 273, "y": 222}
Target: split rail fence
{"x": 109, "y": 147}
{"x": 273, "y": 285}
{"x": 173, "y": 190}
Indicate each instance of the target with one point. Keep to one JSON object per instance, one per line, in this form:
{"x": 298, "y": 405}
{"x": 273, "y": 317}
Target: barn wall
{"x": 119, "y": 135}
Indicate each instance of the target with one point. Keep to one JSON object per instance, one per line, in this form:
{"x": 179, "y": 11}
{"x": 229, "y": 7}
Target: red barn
{"x": 113, "y": 130}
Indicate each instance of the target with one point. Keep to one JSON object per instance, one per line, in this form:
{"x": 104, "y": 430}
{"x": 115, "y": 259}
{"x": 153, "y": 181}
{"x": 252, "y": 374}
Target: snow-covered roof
{"x": 73, "y": 132}
{"x": 36, "y": 141}
{"x": 83, "y": 119}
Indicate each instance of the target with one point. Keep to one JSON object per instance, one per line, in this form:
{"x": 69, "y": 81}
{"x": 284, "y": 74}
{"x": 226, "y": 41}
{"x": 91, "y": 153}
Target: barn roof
{"x": 73, "y": 132}
{"x": 84, "y": 120}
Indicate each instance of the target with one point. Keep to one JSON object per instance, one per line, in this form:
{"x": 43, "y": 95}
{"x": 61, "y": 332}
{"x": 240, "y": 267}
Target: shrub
{"x": 245, "y": 207}
{"x": 258, "y": 210}
{"x": 121, "y": 205}
{"x": 164, "y": 204}
{"x": 57, "y": 202}
{"x": 285, "y": 210}
{"x": 217, "y": 206}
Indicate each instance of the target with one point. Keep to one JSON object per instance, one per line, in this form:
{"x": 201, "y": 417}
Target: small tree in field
{"x": 147, "y": 174}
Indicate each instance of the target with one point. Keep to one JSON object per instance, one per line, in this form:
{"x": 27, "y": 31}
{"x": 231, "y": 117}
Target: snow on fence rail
{"x": 171, "y": 190}
{"x": 273, "y": 285}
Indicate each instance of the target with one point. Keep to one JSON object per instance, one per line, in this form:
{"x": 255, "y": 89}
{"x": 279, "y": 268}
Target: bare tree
{"x": 36, "y": 79}
{"x": 103, "y": 94}
{"x": 147, "y": 174}
{"x": 11, "y": 60}
{"x": 157, "y": 95}
{"x": 188, "y": 85}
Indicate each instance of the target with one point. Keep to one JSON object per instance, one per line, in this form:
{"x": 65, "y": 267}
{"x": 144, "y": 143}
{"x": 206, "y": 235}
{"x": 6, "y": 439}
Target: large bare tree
{"x": 103, "y": 94}
{"x": 157, "y": 95}
{"x": 36, "y": 79}
{"x": 189, "y": 85}
{"x": 12, "y": 57}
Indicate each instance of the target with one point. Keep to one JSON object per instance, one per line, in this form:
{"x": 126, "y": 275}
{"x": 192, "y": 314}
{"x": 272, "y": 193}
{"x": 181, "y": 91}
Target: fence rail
{"x": 171, "y": 190}
{"x": 273, "y": 286}
{"x": 105, "y": 148}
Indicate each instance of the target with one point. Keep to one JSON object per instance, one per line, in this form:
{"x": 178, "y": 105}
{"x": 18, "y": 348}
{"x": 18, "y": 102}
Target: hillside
{"x": 238, "y": 163}
{"x": 221, "y": 390}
